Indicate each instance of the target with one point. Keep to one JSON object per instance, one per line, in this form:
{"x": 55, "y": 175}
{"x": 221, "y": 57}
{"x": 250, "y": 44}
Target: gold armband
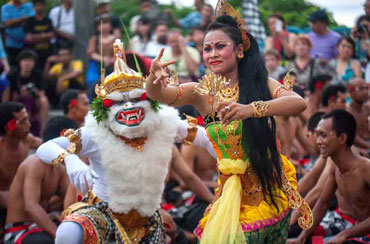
{"x": 259, "y": 108}
{"x": 60, "y": 159}
{"x": 179, "y": 94}
{"x": 74, "y": 136}
{"x": 278, "y": 91}
{"x": 192, "y": 130}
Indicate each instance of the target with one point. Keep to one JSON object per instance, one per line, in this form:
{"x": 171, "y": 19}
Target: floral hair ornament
{"x": 332, "y": 98}
{"x": 351, "y": 88}
{"x": 225, "y": 8}
{"x": 319, "y": 85}
{"x": 12, "y": 124}
{"x": 73, "y": 103}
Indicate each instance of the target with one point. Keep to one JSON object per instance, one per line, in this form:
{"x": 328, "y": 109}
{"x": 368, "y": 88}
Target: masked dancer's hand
{"x": 230, "y": 111}
{"x": 160, "y": 70}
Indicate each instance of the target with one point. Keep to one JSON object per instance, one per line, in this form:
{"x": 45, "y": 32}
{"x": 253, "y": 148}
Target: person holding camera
{"x": 361, "y": 35}
{"x": 280, "y": 39}
{"x": 27, "y": 87}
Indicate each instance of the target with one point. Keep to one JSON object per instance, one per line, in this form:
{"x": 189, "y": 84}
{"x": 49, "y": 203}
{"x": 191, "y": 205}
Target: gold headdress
{"x": 225, "y": 8}
{"x": 122, "y": 78}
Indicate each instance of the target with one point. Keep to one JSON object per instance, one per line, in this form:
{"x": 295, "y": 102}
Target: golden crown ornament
{"x": 122, "y": 79}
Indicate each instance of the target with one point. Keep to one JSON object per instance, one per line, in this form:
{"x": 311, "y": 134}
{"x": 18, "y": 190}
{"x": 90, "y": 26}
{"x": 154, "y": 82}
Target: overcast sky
{"x": 345, "y": 11}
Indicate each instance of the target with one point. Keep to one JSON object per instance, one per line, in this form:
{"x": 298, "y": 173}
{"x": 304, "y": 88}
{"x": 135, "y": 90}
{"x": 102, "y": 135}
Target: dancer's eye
{"x": 220, "y": 46}
{"x": 207, "y": 49}
{"x": 135, "y": 100}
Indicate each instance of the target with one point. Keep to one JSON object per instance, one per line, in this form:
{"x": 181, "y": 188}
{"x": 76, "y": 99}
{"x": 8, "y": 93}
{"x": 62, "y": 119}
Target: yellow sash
{"x": 223, "y": 226}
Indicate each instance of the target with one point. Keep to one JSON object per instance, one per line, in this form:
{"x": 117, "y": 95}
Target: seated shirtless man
{"x": 15, "y": 143}
{"x": 201, "y": 162}
{"x": 34, "y": 184}
{"x": 349, "y": 176}
{"x": 358, "y": 90}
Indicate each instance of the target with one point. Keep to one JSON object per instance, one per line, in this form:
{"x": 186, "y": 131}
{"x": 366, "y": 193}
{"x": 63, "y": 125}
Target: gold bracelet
{"x": 60, "y": 159}
{"x": 278, "y": 91}
{"x": 259, "y": 108}
{"x": 179, "y": 94}
{"x": 192, "y": 130}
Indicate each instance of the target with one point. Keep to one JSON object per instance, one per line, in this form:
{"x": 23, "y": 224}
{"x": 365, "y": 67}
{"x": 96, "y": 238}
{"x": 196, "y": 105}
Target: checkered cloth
{"x": 252, "y": 20}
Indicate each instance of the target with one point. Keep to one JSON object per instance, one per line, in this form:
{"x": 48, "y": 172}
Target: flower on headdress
{"x": 318, "y": 85}
{"x": 351, "y": 88}
{"x": 12, "y": 124}
{"x": 107, "y": 103}
{"x": 143, "y": 97}
{"x": 73, "y": 103}
{"x": 333, "y": 98}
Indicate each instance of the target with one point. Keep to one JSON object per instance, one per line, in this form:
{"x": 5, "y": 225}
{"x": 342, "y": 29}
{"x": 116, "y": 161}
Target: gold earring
{"x": 241, "y": 55}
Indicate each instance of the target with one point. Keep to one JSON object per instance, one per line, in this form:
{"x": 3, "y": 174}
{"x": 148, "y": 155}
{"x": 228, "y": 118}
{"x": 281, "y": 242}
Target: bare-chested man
{"x": 201, "y": 162}
{"x": 75, "y": 105}
{"x": 358, "y": 90}
{"x": 333, "y": 97}
{"x": 33, "y": 186}
{"x": 15, "y": 143}
{"x": 29, "y": 196}
{"x": 349, "y": 175}
{"x": 316, "y": 86}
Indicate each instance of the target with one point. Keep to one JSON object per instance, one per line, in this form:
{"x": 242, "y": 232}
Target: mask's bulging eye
{"x": 107, "y": 103}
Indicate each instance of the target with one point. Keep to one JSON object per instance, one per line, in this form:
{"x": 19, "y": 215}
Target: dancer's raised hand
{"x": 159, "y": 70}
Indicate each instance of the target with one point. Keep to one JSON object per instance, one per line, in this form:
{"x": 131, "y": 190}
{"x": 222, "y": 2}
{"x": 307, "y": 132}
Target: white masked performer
{"x": 128, "y": 139}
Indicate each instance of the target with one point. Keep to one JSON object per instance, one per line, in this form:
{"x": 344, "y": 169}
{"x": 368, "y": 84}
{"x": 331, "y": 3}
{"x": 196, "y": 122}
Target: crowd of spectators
{"x": 40, "y": 74}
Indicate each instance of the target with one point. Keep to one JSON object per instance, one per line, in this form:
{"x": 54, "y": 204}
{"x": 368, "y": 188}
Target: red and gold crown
{"x": 225, "y": 8}
{"x": 122, "y": 79}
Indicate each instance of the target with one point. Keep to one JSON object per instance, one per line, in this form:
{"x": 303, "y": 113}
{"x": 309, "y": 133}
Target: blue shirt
{"x": 191, "y": 20}
{"x": 15, "y": 35}
{"x": 2, "y": 51}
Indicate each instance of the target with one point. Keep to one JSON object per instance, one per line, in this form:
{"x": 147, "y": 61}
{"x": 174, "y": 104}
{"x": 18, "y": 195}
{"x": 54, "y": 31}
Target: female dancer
{"x": 252, "y": 204}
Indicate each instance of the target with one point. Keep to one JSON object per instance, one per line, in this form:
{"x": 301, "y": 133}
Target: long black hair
{"x": 258, "y": 135}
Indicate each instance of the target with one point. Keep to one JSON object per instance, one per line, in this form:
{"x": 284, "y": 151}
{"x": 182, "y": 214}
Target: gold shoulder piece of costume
{"x": 225, "y": 8}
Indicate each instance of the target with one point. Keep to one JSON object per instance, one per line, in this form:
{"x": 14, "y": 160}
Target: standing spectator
{"x": 141, "y": 41}
{"x": 63, "y": 19}
{"x": 253, "y": 21}
{"x": 4, "y": 83}
{"x": 361, "y": 35}
{"x": 345, "y": 65}
{"x": 323, "y": 40}
{"x": 149, "y": 10}
{"x": 280, "y": 39}
{"x": 27, "y": 86}
{"x": 13, "y": 17}
{"x": 304, "y": 65}
{"x": 271, "y": 57}
{"x": 187, "y": 58}
{"x": 39, "y": 32}
{"x": 201, "y": 17}
{"x": 4, "y": 58}
{"x": 367, "y": 7}
{"x": 103, "y": 9}
{"x": 94, "y": 53}
{"x": 67, "y": 72}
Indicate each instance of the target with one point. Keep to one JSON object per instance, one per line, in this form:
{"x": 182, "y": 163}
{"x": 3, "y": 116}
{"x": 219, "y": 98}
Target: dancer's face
{"x": 220, "y": 52}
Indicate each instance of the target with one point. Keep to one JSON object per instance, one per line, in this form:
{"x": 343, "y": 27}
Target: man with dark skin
{"x": 201, "y": 162}
{"x": 75, "y": 105}
{"x": 349, "y": 175}
{"x": 358, "y": 90}
{"x": 33, "y": 186}
{"x": 333, "y": 97}
{"x": 15, "y": 143}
